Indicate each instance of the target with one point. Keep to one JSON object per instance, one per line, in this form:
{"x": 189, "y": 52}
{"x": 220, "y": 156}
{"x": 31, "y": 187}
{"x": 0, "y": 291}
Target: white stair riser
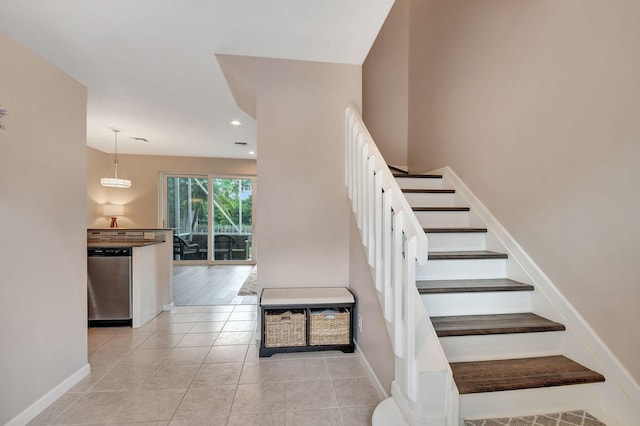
{"x": 457, "y": 241}
{"x": 528, "y": 401}
{"x": 443, "y": 219}
{"x": 461, "y": 269}
{"x": 430, "y": 200}
{"x": 502, "y": 346}
{"x": 419, "y": 183}
{"x": 498, "y": 302}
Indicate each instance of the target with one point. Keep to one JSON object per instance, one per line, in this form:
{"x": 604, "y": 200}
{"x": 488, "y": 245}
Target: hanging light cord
{"x": 115, "y": 182}
{"x": 115, "y": 162}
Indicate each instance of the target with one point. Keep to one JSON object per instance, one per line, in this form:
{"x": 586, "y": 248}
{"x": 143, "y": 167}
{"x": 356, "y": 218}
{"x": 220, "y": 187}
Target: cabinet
{"x": 306, "y": 319}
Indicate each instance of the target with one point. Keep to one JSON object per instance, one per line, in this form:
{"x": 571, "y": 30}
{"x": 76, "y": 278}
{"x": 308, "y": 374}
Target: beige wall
{"x": 373, "y": 341}
{"x": 141, "y": 200}
{"x": 385, "y": 80}
{"x": 302, "y": 219}
{"x": 43, "y": 312}
{"x": 535, "y": 105}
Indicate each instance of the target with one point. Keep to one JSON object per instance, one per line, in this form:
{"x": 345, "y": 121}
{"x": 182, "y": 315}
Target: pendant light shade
{"x": 115, "y": 182}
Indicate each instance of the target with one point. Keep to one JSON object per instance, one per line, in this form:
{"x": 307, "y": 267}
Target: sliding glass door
{"x": 232, "y": 225}
{"x": 211, "y": 217}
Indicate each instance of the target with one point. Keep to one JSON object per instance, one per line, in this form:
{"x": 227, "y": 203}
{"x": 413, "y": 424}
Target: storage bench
{"x": 306, "y": 319}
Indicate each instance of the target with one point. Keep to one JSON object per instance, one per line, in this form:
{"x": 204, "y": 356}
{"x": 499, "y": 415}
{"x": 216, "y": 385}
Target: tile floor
{"x": 199, "y": 365}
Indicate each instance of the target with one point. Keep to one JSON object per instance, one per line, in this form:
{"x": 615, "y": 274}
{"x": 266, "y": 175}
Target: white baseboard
{"x": 47, "y": 399}
{"x": 372, "y": 375}
{"x": 625, "y": 386}
{"x": 168, "y": 307}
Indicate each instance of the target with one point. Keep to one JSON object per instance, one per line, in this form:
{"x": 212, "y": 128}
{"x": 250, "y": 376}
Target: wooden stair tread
{"x": 428, "y": 191}
{"x": 409, "y": 175}
{"x": 466, "y": 255}
{"x": 397, "y": 169}
{"x": 453, "y": 230}
{"x": 440, "y": 209}
{"x": 473, "y": 325}
{"x": 471, "y": 286}
{"x": 526, "y": 373}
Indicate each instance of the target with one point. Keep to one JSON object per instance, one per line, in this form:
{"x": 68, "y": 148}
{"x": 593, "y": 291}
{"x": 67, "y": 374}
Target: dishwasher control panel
{"x": 109, "y": 251}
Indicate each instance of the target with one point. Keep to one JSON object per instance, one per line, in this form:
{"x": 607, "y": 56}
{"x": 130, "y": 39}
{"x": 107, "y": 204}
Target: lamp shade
{"x": 113, "y": 210}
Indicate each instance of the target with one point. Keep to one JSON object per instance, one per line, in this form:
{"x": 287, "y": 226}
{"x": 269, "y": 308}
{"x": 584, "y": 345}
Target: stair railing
{"x": 394, "y": 241}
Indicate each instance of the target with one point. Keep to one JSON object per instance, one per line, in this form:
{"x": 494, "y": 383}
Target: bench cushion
{"x": 305, "y": 296}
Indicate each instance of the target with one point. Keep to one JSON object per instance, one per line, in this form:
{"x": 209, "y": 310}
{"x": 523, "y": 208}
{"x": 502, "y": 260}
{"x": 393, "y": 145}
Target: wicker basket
{"x": 284, "y": 329}
{"x": 330, "y": 328}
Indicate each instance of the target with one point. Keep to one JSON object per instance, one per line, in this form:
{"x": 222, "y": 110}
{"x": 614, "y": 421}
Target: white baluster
{"x": 398, "y": 323}
{"x": 354, "y": 167}
{"x": 370, "y": 211}
{"x": 348, "y": 117}
{"x": 410, "y": 316}
{"x": 359, "y": 140}
{"x": 388, "y": 256}
{"x": 364, "y": 161}
{"x": 378, "y": 207}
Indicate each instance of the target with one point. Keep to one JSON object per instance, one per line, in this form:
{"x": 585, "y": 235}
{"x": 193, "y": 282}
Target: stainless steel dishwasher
{"x": 109, "y": 286}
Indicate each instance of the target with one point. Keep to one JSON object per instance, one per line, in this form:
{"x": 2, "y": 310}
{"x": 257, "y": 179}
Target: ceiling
{"x": 150, "y": 67}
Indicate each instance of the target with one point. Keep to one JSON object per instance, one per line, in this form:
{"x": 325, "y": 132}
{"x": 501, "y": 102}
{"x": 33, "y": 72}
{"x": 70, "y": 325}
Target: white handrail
{"x": 394, "y": 241}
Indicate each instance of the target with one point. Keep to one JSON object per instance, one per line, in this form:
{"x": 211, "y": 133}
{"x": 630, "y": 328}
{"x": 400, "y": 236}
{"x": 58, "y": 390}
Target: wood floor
{"x": 210, "y": 285}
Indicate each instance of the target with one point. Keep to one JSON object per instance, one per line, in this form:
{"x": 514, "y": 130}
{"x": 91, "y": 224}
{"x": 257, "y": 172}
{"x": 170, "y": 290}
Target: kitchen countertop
{"x": 120, "y": 244}
{"x": 129, "y": 229}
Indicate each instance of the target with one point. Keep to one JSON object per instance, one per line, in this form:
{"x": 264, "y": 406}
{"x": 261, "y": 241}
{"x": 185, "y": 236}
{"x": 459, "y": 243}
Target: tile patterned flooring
{"x": 571, "y": 418}
{"x": 199, "y": 365}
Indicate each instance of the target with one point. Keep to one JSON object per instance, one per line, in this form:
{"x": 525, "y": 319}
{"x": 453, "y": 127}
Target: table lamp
{"x": 113, "y": 211}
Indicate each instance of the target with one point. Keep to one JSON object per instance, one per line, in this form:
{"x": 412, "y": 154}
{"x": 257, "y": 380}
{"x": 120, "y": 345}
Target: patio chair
{"x": 182, "y": 250}
{"x": 223, "y": 247}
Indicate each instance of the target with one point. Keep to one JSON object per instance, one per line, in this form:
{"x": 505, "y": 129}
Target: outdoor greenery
{"x": 231, "y": 211}
{"x": 190, "y": 193}
{"x": 233, "y": 204}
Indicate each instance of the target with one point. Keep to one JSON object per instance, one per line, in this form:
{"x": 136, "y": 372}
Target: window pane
{"x": 188, "y": 216}
{"x": 232, "y": 218}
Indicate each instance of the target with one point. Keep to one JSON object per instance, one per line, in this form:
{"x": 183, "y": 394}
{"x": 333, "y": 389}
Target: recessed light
{"x": 236, "y": 123}
{"x": 251, "y": 152}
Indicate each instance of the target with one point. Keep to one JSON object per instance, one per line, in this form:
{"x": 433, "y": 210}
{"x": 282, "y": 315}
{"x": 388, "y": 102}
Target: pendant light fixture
{"x": 115, "y": 182}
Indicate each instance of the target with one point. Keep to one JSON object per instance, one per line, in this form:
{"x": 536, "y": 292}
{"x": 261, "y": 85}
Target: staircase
{"x": 494, "y": 344}
{"x": 477, "y": 329}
